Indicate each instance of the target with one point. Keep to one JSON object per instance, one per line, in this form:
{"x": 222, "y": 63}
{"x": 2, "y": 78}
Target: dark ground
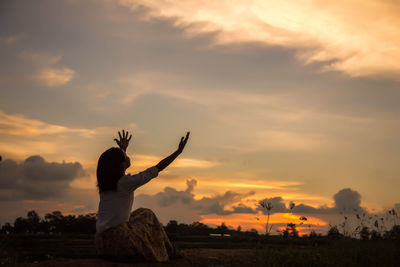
{"x": 78, "y": 250}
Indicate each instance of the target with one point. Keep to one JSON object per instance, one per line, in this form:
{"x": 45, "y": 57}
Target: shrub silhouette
{"x": 364, "y": 233}
{"x": 333, "y": 233}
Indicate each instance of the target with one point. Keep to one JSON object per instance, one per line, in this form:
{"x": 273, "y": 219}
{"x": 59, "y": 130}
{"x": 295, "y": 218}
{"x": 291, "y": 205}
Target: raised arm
{"x": 123, "y": 141}
{"x": 165, "y": 162}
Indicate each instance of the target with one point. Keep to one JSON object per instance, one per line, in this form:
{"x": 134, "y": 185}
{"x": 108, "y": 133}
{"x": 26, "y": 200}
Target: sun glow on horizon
{"x": 258, "y": 221}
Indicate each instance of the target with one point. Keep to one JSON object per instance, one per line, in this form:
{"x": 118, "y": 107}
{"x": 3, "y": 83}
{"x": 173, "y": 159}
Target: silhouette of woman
{"x": 120, "y": 233}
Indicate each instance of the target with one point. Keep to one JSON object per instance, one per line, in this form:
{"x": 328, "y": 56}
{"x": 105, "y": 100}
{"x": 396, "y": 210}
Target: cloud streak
{"x": 48, "y": 74}
{"x": 141, "y": 160}
{"x": 53, "y": 77}
{"x": 360, "y": 41}
{"x": 19, "y": 125}
{"x": 21, "y": 136}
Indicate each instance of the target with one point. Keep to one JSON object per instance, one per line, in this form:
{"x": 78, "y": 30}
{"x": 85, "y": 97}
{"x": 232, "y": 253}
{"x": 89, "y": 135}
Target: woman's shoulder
{"x": 124, "y": 181}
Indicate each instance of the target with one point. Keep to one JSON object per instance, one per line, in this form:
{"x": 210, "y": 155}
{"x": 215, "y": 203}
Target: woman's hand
{"x": 183, "y": 142}
{"x": 165, "y": 162}
{"x": 123, "y": 141}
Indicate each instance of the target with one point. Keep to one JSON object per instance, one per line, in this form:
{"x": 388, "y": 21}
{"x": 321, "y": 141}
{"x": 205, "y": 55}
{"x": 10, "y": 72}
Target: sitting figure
{"x": 121, "y": 234}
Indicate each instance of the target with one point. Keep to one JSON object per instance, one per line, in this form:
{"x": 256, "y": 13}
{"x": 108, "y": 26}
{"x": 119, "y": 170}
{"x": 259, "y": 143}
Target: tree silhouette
{"x": 290, "y": 231}
{"x": 222, "y": 229}
{"x": 7, "y": 228}
{"x": 21, "y": 226}
{"x": 172, "y": 227}
{"x": 33, "y": 222}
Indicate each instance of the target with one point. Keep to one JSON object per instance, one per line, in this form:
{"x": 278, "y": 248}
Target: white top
{"x": 115, "y": 206}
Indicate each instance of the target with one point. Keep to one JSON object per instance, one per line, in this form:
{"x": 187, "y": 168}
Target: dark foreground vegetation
{"x": 66, "y": 250}
{"x": 58, "y": 240}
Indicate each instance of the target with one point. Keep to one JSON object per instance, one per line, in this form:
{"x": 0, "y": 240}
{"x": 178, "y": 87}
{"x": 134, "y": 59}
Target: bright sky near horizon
{"x": 289, "y": 100}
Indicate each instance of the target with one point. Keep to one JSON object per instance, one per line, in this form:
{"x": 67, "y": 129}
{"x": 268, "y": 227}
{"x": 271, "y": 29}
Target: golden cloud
{"x": 52, "y": 77}
{"x": 48, "y": 74}
{"x": 11, "y": 40}
{"x": 286, "y": 140}
{"x": 359, "y": 41}
{"x": 19, "y": 125}
{"x": 21, "y": 137}
{"x": 253, "y": 184}
{"x": 141, "y": 160}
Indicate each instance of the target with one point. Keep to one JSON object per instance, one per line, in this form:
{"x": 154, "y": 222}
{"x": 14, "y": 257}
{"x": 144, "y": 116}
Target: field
{"x": 78, "y": 250}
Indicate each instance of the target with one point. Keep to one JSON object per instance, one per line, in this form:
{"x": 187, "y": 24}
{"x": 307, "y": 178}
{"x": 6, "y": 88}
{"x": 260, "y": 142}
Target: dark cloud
{"x": 217, "y": 204}
{"x": 303, "y": 208}
{"x": 278, "y": 204}
{"x": 346, "y": 200}
{"x": 240, "y": 208}
{"x": 36, "y": 179}
{"x": 230, "y": 202}
{"x": 171, "y": 195}
{"x": 191, "y": 184}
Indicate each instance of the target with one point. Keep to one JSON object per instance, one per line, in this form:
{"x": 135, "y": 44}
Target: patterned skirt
{"x": 142, "y": 236}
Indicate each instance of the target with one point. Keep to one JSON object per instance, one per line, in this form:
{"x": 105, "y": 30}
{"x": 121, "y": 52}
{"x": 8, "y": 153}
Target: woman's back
{"x": 115, "y": 205}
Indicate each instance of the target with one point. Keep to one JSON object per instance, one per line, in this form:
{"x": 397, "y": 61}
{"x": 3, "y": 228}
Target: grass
{"x": 22, "y": 250}
{"x": 348, "y": 252}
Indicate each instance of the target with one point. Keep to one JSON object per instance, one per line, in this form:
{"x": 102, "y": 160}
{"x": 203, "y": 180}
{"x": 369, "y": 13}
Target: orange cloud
{"x": 359, "y": 41}
{"x": 21, "y": 137}
{"x": 141, "y": 160}
{"x": 48, "y": 75}
{"x": 52, "y": 77}
{"x": 19, "y": 125}
{"x": 254, "y": 184}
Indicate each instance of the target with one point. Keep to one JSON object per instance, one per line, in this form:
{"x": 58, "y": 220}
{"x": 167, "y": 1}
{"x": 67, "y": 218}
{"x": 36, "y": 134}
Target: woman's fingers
{"x": 123, "y": 136}
{"x": 186, "y": 139}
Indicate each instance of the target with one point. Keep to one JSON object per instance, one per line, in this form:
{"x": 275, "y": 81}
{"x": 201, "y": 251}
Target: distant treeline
{"x": 54, "y": 222}
{"x": 57, "y": 223}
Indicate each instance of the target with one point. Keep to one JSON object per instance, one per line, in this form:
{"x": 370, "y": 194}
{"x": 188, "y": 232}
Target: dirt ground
{"x": 191, "y": 257}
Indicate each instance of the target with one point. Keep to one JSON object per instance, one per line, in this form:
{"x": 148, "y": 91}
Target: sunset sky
{"x": 294, "y": 100}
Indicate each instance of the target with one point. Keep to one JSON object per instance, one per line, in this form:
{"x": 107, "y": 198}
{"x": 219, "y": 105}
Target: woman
{"x": 120, "y": 233}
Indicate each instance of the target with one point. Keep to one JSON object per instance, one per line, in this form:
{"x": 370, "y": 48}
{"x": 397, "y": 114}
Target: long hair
{"x": 109, "y": 169}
